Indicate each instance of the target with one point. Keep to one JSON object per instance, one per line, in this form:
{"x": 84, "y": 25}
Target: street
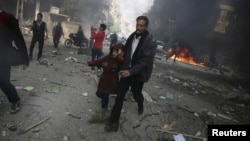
{"x": 58, "y": 100}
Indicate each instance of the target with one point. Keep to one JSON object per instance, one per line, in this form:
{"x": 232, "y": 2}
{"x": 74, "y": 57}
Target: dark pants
{"x": 96, "y": 54}
{"x": 123, "y": 86}
{"x": 40, "y": 41}
{"x": 105, "y": 98}
{"x": 91, "y": 41}
{"x": 56, "y": 40}
{"x": 8, "y": 89}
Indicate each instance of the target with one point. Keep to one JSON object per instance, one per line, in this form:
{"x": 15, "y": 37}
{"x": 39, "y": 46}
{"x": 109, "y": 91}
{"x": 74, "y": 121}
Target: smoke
{"x": 130, "y": 9}
{"x": 193, "y": 22}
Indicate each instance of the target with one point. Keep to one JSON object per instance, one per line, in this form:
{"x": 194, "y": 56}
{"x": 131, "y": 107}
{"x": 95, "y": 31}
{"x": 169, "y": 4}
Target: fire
{"x": 183, "y": 55}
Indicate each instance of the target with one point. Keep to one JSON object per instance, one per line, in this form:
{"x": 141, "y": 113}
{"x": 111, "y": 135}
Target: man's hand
{"x": 124, "y": 73}
{"x": 24, "y": 66}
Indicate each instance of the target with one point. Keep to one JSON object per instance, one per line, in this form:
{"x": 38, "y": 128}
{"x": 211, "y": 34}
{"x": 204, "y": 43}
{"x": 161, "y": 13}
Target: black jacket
{"x": 39, "y": 31}
{"x": 143, "y": 57}
{"x": 10, "y": 32}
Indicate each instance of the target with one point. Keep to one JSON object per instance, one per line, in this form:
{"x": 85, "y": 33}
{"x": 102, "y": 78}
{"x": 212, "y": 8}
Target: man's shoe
{"x": 111, "y": 127}
{"x": 15, "y": 107}
{"x": 140, "y": 110}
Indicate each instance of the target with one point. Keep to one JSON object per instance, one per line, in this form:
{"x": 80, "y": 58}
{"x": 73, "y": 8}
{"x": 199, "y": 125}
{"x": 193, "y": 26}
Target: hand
{"x": 24, "y": 66}
{"x": 120, "y": 53}
{"x": 90, "y": 63}
{"x": 124, "y": 73}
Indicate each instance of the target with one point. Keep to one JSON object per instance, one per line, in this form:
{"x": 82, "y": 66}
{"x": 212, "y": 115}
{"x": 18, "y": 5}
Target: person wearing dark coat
{"x": 57, "y": 33}
{"x": 111, "y": 65}
{"x": 39, "y": 29}
{"x": 79, "y": 35}
{"x": 113, "y": 39}
{"x": 137, "y": 67}
{"x": 9, "y": 32}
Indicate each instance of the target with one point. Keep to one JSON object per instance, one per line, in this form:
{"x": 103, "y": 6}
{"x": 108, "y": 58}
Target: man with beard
{"x": 39, "y": 29}
{"x": 139, "y": 55}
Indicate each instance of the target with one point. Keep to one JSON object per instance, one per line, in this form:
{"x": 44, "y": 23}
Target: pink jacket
{"x": 98, "y": 37}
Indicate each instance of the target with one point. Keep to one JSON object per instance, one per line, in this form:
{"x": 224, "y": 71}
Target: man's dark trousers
{"x": 8, "y": 89}
{"x": 40, "y": 41}
{"x": 123, "y": 86}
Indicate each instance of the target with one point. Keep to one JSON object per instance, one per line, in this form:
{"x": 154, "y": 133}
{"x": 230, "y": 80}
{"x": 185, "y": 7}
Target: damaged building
{"x": 26, "y": 10}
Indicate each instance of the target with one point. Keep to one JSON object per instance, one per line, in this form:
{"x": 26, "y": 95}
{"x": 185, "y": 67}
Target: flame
{"x": 185, "y": 57}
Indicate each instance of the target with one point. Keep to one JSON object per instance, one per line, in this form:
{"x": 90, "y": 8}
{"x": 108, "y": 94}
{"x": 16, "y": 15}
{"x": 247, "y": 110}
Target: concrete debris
{"x": 170, "y": 96}
{"x": 4, "y": 133}
{"x": 224, "y": 116}
{"x": 42, "y": 79}
{"x": 65, "y": 138}
{"x": 232, "y": 95}
{"x": 53, "y": 89}
{"x": 169, "y": 127}
{"x": 174, "y": 80}
{"x": 179, "y": 137}
{"x": 28, "y": 88}
{"x": 35, "y": 130}
{"x": 185, "y": 84}
{"x": 210, "y": 113}
{"x": 86, "y": 74}
{"x": 157, "y": 87}
{"x": 198, "y": 133}
{"x": 196, "y": 114}
{"x": 162, "y": 97}
{"x": 45, "y": 62}
{"x": 73, "y": 59}
{"x": 84, "y": 94}
{"x": 147, "y": 97}
{"x": 204, "y": 92}
{"x": 19, "y": 87}
{"x": 12, "y": 128}
{"x": 158, "y": 75}
{"x": 56, "y": 52}
{"x": 74, "y": 116}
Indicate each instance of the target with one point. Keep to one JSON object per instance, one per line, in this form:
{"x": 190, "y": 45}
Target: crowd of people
{"x": 127, "y": 65}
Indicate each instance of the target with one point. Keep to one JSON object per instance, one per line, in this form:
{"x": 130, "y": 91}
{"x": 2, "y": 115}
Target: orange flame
{"x": 184, "y": 56}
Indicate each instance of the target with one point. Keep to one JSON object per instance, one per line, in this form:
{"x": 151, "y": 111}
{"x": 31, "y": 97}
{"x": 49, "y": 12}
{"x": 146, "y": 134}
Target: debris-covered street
{"x": 59, "y": 103}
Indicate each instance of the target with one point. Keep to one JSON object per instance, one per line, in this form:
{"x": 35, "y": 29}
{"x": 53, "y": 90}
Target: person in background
{"x": 79, "y": 35}
{"x": 98, "y": 38}
{"x": 40, "y": 33}
{"x": 137, "y": 67}
{"x": 91, "y": 40}
{"x": 57, "y": 33}
{"x": 10, "y": 32}
{"x": 113, "y": 39}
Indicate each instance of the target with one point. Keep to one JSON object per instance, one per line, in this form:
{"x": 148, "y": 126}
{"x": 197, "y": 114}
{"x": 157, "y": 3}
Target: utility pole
{"x": 37, "y": 7}
{"x": 19, "y": 11}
